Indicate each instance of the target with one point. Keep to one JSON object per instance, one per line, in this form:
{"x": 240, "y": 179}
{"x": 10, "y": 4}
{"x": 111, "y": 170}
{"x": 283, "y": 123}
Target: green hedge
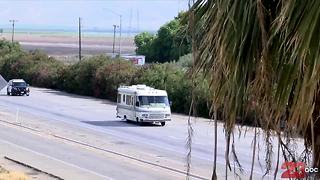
{"x": 109, "y": 76}
{"x": 100, "y": 76}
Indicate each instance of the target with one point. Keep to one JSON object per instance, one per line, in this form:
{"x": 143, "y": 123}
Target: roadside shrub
{"x": 15, "y": 66}
{"x": 100, "y": 76}
{"x": 44, "y": 70}
{"x": 185, "y": 61}
{"x": 9, "y": 48}
{"x": 110, "y": 76}
{"x": 79, "y": 77}
{"x": 174, "y": 80}
{"x": 47, "y": 74}
{"x": 202, "y": 96}
{"x": 35, "y": 67}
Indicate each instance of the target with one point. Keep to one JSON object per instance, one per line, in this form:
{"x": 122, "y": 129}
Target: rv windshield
{"x": 154, "y": 101}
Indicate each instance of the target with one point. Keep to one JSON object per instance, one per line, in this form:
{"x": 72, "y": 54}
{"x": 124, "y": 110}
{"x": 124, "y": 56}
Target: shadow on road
{"x": 118, "y": 124}
{"x": 5, "y": 94}
{"x": 61, "y": 93}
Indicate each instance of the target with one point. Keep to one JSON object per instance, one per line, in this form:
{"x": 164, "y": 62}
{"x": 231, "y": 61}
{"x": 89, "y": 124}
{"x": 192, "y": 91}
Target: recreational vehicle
{"x": 141, "y": 103}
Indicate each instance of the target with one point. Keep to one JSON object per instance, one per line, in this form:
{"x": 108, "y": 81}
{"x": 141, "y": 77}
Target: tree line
{"x": 169, "y": 43}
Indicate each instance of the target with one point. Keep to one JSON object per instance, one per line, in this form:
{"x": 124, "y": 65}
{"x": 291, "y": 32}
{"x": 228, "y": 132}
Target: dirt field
{"x": 67, "y": 45}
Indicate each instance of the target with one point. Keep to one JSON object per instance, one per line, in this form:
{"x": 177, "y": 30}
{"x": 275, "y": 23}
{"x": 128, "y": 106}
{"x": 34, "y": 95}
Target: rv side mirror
{"x": 137, "y": 104}
{"x": 170, "y": 103}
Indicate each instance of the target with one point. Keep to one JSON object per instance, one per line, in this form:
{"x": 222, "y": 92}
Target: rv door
{"x": 136, "y": 104}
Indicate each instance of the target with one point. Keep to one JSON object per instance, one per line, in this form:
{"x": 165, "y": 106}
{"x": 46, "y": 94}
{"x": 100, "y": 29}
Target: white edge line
{"x": 58, "y": 160}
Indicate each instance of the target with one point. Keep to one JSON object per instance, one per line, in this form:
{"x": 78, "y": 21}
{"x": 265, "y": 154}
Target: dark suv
{"x": 18, "y": 87}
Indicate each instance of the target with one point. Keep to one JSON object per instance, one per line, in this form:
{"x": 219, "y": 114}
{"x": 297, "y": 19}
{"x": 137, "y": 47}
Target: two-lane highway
{"x": 67, "y": 161}
{"x": 98, "y": 116}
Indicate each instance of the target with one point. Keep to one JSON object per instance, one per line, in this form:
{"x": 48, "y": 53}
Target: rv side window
{"x": 119, "y": 98}
{"x": 128, "y": 100}
{"x": 124, "y": 98}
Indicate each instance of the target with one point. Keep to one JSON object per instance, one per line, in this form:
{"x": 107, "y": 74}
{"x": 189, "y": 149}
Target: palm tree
{"x": 263, "y": 58}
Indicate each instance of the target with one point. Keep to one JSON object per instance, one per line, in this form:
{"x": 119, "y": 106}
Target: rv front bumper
{"x": 154, "y": 116}
{"x": 154, "y": 120}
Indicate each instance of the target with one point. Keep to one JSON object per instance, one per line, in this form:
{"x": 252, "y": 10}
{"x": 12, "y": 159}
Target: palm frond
{"x": 261, "y": 56}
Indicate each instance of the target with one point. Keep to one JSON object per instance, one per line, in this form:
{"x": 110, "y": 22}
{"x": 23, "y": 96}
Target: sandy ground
{"x": 12, "y": 171}
{"x": 67, "y": 45}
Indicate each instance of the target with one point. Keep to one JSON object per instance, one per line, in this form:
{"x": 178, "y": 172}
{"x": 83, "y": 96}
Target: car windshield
{"x": 19, "y": 84}
{"x": 154, "y": 101}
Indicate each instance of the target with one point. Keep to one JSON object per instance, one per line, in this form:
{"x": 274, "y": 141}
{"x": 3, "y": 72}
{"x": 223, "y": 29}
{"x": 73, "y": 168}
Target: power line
{"x": 138, "y": 23}
{"x": 130, "y": 23}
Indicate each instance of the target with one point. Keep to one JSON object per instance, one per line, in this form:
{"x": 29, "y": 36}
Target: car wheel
{"x": 8, "y": 93}
{"x": 163, "y": 123}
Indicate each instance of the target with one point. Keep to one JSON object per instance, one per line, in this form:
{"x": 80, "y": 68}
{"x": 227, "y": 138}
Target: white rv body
{"x": 141, "y": 103}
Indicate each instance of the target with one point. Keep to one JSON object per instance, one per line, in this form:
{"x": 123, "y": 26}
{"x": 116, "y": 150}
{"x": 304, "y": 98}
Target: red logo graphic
{"x": 297, "y": 170}
{"x": 293, "y": 170}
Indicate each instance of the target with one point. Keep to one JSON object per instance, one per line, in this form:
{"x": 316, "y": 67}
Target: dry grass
{"x": 7, "y": 175}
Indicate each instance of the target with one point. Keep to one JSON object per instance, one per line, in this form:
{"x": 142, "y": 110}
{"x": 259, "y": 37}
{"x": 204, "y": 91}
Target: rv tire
{"x": 139, "y": 122}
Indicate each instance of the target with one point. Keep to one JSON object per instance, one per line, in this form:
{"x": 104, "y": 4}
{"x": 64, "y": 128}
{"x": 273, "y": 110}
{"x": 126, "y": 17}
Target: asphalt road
{"x": 98, "y": 117}
{"x": 66, "y": 161}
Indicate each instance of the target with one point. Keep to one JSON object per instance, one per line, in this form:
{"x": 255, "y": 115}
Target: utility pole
{"x": 120, "y": 26}
{"x": 119, "y": 45}
{"x": 114, "y": 37}
{"x": 13, "y": 21}
{"x": 79, "y": 39}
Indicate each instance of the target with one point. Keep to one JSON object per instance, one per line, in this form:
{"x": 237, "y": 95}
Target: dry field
{"x": 66, "y": 46}
{"x": 11, "y": 175}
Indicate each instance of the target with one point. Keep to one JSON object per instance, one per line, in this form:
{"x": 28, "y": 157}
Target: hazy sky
{"x": 145, "y": 14}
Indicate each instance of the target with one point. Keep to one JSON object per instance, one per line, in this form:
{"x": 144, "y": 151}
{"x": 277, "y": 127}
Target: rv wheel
{"x": 139, "y": 122}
